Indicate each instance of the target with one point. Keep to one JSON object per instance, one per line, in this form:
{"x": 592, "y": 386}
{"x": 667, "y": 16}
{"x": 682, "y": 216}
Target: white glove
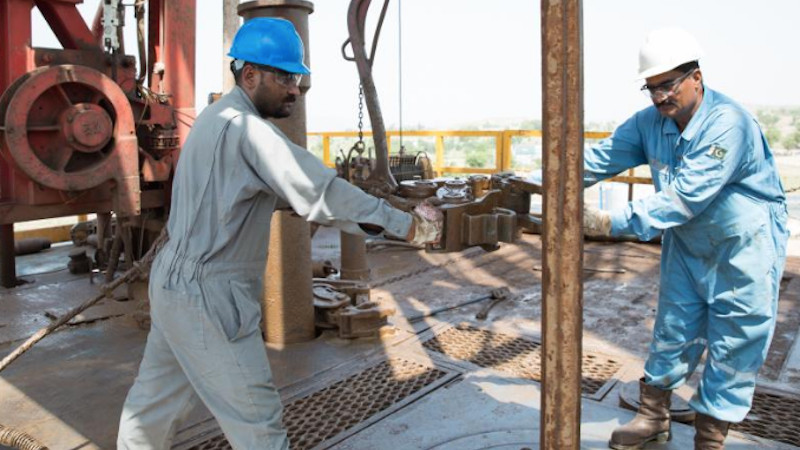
{"x": 427, "y": 224}
{"x": 596, "y": 222}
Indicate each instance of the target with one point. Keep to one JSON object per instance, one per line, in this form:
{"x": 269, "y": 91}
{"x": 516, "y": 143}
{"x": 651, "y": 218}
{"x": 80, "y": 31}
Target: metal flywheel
{"x": 69, "y": 127}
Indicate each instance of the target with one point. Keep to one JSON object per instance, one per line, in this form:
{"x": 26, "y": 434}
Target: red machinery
{"x": 80, "y": 130}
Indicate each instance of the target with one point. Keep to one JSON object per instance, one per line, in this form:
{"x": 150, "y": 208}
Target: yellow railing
{"x": 503, "y": 147}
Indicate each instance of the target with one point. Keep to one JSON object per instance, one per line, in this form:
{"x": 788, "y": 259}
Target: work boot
{"x": 709, "y": 433}
{"x": 651, "y": 422}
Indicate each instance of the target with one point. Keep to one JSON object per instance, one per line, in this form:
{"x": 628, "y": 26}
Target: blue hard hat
{"x": 270, "y": 42}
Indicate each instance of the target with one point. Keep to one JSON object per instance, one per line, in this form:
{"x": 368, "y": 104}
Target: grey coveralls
{"x": 206, "y": 282}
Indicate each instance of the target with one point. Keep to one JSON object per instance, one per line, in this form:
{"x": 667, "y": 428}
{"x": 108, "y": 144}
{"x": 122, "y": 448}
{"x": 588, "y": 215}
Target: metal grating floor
{"x": 774, "y": 417}
{"x": 326, "y": 413}
{"x": 515, "y": 355}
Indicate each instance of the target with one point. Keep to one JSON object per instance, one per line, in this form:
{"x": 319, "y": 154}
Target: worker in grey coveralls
{"x": 205, "y": 284}
{"x": 722, "y": 211}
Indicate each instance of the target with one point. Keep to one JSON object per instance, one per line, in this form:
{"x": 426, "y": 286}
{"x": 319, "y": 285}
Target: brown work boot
{"x": 709, "y": 433}
{"x": 651, "y": 422}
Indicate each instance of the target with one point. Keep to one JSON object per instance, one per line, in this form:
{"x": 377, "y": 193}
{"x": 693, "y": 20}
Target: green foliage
{"x": 773, "y": 136}
{"x": 792, "y": 141}
{"x": 767, "y": 118}
{"x": 469, "y": 152}
{"x": 477, "y": 157}
{"x": 534, "y": 124}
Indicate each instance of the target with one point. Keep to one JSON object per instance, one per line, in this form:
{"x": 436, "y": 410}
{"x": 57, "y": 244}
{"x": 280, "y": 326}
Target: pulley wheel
{"x": 64, "y": 125}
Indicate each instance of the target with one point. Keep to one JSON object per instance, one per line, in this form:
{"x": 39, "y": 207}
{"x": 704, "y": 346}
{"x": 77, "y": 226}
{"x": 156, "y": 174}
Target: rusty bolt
{"x": 47, "y": 58}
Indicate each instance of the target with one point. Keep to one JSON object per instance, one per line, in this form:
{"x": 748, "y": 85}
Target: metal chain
{"x": 360, "y": 115}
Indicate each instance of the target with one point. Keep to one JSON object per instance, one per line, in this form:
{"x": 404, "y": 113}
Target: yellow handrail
{"x": 503, "y": 148}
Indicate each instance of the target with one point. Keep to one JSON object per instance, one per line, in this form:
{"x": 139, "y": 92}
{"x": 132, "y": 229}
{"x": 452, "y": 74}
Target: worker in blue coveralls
{"x": 720, "y": 208}
{"x": 205, "y": 340}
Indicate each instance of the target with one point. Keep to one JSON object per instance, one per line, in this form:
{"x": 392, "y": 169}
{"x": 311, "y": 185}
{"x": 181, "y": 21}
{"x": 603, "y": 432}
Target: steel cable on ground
{"x": 17, "y": 439}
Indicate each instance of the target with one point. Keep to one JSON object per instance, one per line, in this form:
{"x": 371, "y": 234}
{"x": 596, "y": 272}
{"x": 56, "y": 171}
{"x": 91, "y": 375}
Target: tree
{"x": 792, "y": 141}
{"x": 769, "y": 123}
{"x": 534, "y": 124}
{"x": 773, "y": 136}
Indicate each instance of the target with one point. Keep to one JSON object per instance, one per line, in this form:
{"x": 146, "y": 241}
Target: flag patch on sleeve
{"x": 717, "y": 152}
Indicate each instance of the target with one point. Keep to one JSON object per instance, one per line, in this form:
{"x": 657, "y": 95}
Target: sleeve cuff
{"x": 399, "y": 223}
{"x": 619, "y": 222}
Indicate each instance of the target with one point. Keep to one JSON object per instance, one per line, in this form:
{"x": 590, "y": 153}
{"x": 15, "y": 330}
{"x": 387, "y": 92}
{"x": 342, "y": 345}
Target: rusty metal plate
{"x": 345, "y": 405}
{"x": 517, "y": 355}
{"x": 774, "y": 416}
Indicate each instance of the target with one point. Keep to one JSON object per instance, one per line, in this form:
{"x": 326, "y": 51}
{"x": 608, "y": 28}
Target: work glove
{"x": 596, "y": 222}
{"x": 427, "y": 224}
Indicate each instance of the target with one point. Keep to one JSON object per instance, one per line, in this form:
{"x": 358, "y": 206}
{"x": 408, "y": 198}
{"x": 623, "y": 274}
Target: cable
{"x": 19, "y": 440}
{"x": 400, "y": 68}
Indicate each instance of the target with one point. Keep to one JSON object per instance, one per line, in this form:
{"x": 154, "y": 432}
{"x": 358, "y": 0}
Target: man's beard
{"x": 268, "y": 109}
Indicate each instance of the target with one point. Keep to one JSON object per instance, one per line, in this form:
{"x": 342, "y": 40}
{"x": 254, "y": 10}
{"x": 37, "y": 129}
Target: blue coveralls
{"x": 721, "y": 208}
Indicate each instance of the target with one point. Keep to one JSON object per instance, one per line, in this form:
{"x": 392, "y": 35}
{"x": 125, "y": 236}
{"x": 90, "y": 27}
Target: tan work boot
{"x": 709, "y": 433}
{"x": 651, "y": 422}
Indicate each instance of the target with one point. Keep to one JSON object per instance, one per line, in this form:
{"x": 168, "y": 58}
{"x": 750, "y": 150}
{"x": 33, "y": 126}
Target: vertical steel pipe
{"x": 15, "y": 60}
{"x": 155, "y": 45}
{"x": 8, "y": 269}
{"x": 354, "y": 257}
{"x": 297, "y": 12}
{"x": 562, "y": 136}
{"x": 288, "y": 302}
{"x": 178, "y": 50}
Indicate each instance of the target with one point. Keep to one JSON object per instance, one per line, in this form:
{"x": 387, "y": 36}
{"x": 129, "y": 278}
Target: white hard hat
{"x": 666, "y": 49}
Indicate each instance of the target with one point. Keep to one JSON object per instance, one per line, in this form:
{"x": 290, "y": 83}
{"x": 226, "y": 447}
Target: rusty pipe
{"x": 288, "y": 300}
{"x": 297, "y": 12}
{"x": 8, "y": 268}
{"x": 31, "y": 245}
{"x": 179, "y": 59}
{"x": 356, "y": 21}
{"x": 354, "y": 257}
{"x": 172, "y": 42}
{"x": 288, "y": 306}
{"x": 562, "y": 238}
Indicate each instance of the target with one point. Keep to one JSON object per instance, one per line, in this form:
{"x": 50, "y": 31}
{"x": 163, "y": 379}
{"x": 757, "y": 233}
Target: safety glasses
{"x": 285, "y": 79}
{"x": 666, "y": 88}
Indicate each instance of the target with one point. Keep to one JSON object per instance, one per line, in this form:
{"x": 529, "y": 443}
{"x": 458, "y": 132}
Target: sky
{"x": 471, "y": 62}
